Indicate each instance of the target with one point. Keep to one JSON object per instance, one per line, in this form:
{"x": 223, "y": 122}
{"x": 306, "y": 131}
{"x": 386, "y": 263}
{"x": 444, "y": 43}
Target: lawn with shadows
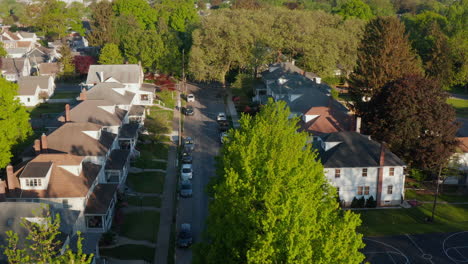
{"x": 460, "y": 106}
{"x": 129, "y": 252}
{"x": 141, "y": 225}
{"x": 146, "y": 182}
{"x": 143, "y": 201}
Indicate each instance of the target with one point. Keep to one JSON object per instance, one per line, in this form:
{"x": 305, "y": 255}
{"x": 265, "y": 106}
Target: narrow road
{"x": 202, "y": 127}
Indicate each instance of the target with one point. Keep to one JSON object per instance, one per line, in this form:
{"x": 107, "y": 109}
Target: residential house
{"x": 361, "y": 167}
{"x": 18, "y": 44}
{"x": 129, "y": 75}
{"x": 12, "y": 69}
{"x": 35, "y": 89}
{"x": 48, "y": 69}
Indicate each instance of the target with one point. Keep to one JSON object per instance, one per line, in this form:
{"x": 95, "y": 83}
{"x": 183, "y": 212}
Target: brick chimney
{"x": 11, "y": 181}
{"x": 380, "y": 174}
{"x": 83, "y": 94}
{"x": 44, "y": 143}
{"x": 37, "y": 146}
{"x": 3, "y": 189}
{"x": 67, "y": 113}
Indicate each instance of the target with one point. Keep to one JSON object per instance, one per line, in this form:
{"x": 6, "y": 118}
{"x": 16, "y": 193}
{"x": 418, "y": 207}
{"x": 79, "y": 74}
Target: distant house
{"x": 361, "y": 167}
{"x": 35, "y": 89}
{"x": 48, "y": 69}
{"x": 12, "y": 69}
{"x": 18, "y": 44}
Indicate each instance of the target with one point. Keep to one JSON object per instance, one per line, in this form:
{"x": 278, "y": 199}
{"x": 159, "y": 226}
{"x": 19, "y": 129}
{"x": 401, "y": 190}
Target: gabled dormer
{"x": 36, "y": 176}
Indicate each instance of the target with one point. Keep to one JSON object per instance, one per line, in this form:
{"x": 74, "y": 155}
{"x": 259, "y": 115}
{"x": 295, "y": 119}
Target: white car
{"x": 186, "y": 172}
{"x": 221, "y": 116}
{"x": 190, "y": 98}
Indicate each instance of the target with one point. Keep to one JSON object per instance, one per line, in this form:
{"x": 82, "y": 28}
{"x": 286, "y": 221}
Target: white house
{"x": 360, "y": 167}
{"x": 12, "y": 69}
{"x": 35, "y": 89}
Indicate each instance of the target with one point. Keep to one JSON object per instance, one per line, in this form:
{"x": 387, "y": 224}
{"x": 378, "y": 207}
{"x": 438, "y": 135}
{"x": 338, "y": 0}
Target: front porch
{"x": 136, "y": 114}
{"x": 100, "y": 208}
{"x": 117, "y": 164}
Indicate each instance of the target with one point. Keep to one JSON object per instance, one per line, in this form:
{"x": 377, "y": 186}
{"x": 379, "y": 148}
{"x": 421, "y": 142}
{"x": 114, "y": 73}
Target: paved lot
{"x": 441, "y": 248}
{"x": 203, "y": 128}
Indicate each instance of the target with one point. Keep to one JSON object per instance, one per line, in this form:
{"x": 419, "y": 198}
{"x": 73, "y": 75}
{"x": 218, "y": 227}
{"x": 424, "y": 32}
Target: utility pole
{"x": 436, "y": 194}
{"x": 183, "y": 71}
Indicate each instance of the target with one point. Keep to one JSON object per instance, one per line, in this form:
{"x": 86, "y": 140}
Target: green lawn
{"x": 443, "y": 197}
{"x": 448, "y": 218}
{"x": 146, "y": 182}
{"x": 65, "y": 95}
{"x": 168, "y": 97}
{"x": 159, "y": 121}
{"x": 460, "y": 105}
{"x": 145, "y": 161}
{"x": 141, "y": 225}
{"x": 145, "y": 201}
{"x": 156, "y": 149}
{"x": 130, "y": 252}
{"x": 46, "y": 108}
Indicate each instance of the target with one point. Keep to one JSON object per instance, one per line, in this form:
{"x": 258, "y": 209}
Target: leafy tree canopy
{"x": 355, "y": 8}
{"x": 14, "y": 121}
{"x": 272, "y": 202}
{"x": 110, "y": 54}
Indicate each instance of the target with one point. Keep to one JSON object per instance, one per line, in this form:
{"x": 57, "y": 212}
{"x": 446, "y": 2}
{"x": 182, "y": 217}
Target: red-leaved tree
{"x": 82, "y": 63}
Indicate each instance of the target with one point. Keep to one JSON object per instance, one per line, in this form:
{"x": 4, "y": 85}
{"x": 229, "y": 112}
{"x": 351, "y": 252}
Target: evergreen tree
{"x": 384, "y": 55}
{"x": 14, "y": 121}
{"x": 272, "y": 202}
{"x": 110, "y": 54}
{"x": 437, "y": 63}
{"x": 66, "y": 62}
{"x": 411, "y": 115}
{"x": 102, "y": 24}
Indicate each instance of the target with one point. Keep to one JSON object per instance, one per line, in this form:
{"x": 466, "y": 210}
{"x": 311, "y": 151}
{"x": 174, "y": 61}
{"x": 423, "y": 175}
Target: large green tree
{"x": 272, "y": 202}
{"x": 110, "y": 54}
{"x": 14, "y": 121}
{"x": 355, "y": 8}
{"x": 41, "y": 243}
{"x": 145, "y": 15}
{"x": 412, "y": 116}
{"x": 67, "y": 67}
{"x": 102, "y": 24}
{"x": 385, "y": 54}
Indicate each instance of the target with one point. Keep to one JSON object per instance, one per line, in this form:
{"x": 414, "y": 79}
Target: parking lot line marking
{"x": 392, "y": 247}
{"x": 447, "y": 249}
{"x": 414, "y": 243}
{"x": 459, "y": 253}
{"x": 391, "y": 258}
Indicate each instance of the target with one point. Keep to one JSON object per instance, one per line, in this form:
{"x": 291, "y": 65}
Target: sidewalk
{"x": 168, "y": 199}
{"x": 232, "y": 109}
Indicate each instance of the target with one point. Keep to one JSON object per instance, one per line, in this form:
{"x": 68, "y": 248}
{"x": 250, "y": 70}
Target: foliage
{"x": 3, "y": 52}
{"x": 384, "y": 55}
{"x": 178, "y": 14}
{"x": 411, "y": 115}
{"x": 334, "y": 93}
{"x": 273, "y": 197}
{"x": 14, "y": 125}
{"x": 247, "y": 39}
{"x": 418, "y": 175}
{"x": 66, "y": 62}
{"x": 102, "y": 24}
{"x": 143, "y": 46}
{"x": 41, "y": 245}
{"x": 244, "y": 84}
{"x": 110, "y": 54}
{"x": 354, "y": 203}
{"x": 355, "y": 8}
{"x": 361, "y": 202}
{"x": 145, "y": 16}
{"x": 381, "y": 7}
{"x": 371, "y": 202}
{"x": 82, "y": 63}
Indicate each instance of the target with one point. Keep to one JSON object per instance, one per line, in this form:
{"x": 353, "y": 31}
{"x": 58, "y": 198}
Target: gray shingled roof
{"x": 117, "y": 159}
{"x": 99, "y": 201}
{"x": 36, "y": 170}
{"x": 104, "y": 91}
{"x": 124, "y": 73}
{"x": 28, "y": 84}
{"x": 136, "y": 110}
{"x": 129, "y": 131}
{"x": 12, "y": 65}
{"x": 91, "y": 111}
{"x": 355, "y": 150}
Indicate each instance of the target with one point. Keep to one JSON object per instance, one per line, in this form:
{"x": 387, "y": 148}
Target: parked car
{"x": 222, "y": 137}
{"x": 190, "y": 98}
{"x": 186, "y": 172}
{"x": 223, "y": 126}
{"x": 188, "y": 111}
{"x": 189, "y": 143}
{"x": 221, "y": 117}
{"x": 186, "y": 157}
{"x": 185, "y": 238}
{"x": 185, "y": 189}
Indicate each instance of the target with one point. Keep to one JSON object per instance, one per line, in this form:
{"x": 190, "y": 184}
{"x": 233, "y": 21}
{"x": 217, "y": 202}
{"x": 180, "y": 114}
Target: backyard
{"x": 460, "y": 106}
{"x": 142, "y": 225}
{"x": 46, "y": 108}
{"x": 65, "y": 95}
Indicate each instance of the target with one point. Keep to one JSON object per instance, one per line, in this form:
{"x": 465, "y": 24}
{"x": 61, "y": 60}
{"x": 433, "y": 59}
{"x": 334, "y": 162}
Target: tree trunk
{"x": 436, "y": 194}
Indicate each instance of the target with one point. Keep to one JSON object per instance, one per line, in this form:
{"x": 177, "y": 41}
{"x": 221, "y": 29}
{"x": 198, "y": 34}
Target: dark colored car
{"x": 223, "y": 126}
{"x": 188, "y": 111}
{"x": 186, "y": 157}
{"x": 189, "y": 144}
{"x": 185, "y": 189}
{"x": 184, "y": 238}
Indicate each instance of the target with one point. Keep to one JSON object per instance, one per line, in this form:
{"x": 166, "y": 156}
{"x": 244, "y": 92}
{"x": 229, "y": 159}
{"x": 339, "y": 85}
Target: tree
{"x": 3, "y": 52}
{"x": 82, "y": 63}
{"x": 272, "y": 202}
{"x": 14, "y": 121}
{"x": 143, "y": 46}
{"x": 384, "y": 55}
{"x": 66, "y": 62}
{"x": 355, "y": 8}
{"x": 437, "y": 62}
{"x": 246, "y": 4}
{"x": 102, "y": 24}
{"x": 381, "y": 7}
{"x": 110, "y": 54}
{"x": 411, "y": 115}
{"x": 178, "y": 14}
{"x": 41, "y": 244}
{"x": 144, "y": 14}
{"x": 459, "y": 56}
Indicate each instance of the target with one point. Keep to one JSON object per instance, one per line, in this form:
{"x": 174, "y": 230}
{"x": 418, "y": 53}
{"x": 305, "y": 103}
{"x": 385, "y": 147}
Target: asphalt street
{"x": 202, "y": 127}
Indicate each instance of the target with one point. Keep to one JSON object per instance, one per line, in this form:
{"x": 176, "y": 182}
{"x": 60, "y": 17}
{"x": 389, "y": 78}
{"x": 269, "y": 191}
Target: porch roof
{"x": 100, "y": 200}
{"x": 129, "y": 131}
{"x": 136, "y": 110}
{"x": 117, "y": 159}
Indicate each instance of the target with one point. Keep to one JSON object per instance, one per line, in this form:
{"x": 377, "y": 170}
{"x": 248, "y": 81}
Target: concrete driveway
{"x": 202, "y": 127}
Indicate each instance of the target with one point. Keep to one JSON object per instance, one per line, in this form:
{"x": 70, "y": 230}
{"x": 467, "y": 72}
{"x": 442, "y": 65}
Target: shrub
{"x": 107, "y": 239}
{"x": 418, "y": 175}
{"x": 361, "y": 202}
{"x": 354, "y": 203}
{"x": 371, "y": 202}
{"x": 334, "y": 93}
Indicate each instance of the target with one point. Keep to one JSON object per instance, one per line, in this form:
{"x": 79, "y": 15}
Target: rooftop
{"x": 29, "y": 84}
{"x": 93, "y": 111}
{"x": 99, "y": 201}
{"x": 117, "y": 159}
{"x": 123, "y": 73}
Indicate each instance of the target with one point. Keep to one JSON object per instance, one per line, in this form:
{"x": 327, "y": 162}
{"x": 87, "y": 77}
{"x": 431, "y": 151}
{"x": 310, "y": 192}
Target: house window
{"x": 33, "y": 182}
{"x": 364, "y": 172}
{"x": 65, "y": 203}
{"x": 366, "y": 190}
{"x": 391, "y": 172}
{"x": 359, "y": 190}
{"x": 29, "y": 99}
{"x": 337, "y": 173}
{"x": 144, "y": 97}
{"x": 390, "y": 189}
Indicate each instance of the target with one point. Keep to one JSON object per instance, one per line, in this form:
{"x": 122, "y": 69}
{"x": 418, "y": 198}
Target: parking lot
{"x": 440, "y": 248}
